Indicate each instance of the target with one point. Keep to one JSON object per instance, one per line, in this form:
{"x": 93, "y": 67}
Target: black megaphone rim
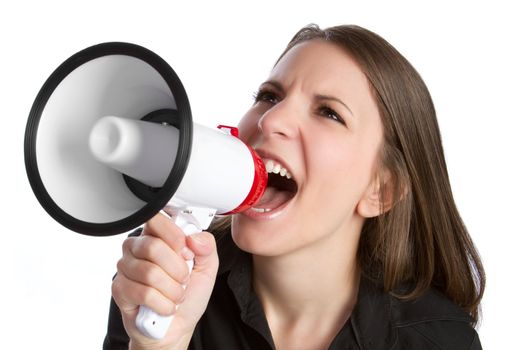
{"x": 185, "y": 125}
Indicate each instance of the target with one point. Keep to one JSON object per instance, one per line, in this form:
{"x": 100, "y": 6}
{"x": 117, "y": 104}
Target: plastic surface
{"x": 222, "y": 173}
{"x": 135, "y": 147}
{"x": 118, "y": 85}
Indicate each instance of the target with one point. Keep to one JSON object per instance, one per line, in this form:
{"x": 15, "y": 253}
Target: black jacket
{"x": 234, "y": 318}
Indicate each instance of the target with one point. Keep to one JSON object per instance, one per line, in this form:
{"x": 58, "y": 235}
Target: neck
{"x": 316, "y": 282}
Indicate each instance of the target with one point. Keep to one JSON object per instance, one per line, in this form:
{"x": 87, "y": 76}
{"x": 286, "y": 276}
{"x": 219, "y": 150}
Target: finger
{"x": 164, "y": 228}
{"x": 157, "y": 252}
{"x": 204, "y": 247}
{"x": 202, "y": 279}
{"x": 129, "y": 295}
{"x": 149, "y": 274}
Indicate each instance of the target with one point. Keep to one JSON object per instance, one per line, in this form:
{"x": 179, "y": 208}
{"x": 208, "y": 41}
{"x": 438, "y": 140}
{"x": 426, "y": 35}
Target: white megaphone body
{"x": 110, "y": 142}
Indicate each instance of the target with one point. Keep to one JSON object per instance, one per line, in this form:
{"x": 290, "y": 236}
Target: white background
{"x": 55, "y": 284}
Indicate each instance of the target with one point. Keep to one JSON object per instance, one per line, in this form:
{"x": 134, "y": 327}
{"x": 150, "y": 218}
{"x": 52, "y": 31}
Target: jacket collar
{"x": 375, "y": 318}
{"x": 370, "y": 318}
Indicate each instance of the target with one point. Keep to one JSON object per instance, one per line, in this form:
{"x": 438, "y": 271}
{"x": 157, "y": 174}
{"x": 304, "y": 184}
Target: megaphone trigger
{"x": 191, "y": 219}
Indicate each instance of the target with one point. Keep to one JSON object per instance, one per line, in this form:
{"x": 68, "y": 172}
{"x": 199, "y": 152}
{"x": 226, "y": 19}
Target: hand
{"x": 153, "y": 272}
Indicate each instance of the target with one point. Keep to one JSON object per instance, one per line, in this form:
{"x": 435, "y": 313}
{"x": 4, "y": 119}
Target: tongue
{"x": 273, "y": 198}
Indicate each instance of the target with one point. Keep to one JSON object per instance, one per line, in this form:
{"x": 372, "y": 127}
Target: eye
{"x": 265, "y": 95}
{"x": 329, "y": 113}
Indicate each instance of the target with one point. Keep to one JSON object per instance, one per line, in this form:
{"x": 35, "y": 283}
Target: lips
{"x": 280, "y": 190}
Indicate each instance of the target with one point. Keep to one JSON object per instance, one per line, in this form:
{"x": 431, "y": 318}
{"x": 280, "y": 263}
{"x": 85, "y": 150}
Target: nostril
{"x": 277, "y": 122}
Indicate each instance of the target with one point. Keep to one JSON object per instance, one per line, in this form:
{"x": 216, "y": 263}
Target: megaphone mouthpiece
{"x": 142, "y": 150}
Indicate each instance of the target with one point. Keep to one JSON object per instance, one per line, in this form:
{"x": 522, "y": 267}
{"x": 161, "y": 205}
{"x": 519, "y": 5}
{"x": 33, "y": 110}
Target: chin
{"x": 259, "y": 239}
{"x": 270, "y": 239}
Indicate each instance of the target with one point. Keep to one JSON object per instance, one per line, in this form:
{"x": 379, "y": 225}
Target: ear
{"x": 372, "y": 203}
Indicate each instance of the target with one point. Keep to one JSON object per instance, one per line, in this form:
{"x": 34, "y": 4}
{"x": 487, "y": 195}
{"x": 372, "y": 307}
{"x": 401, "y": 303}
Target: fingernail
{"x": 187, "y": 254}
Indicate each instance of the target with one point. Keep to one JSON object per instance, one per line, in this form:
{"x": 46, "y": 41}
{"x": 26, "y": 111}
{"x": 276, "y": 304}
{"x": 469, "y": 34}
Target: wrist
{"x": 181, "y": 344}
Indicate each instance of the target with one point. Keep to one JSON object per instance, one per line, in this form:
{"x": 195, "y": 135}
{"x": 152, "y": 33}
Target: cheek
{"x": 341, "y": 169}
{"x": 248, "y": 126}
{"x": 340, "y": 159}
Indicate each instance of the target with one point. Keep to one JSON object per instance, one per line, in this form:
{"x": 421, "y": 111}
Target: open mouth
{"x": 280, "y": 190}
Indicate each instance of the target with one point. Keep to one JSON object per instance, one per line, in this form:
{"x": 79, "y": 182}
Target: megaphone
{"x": 110, "y": 142}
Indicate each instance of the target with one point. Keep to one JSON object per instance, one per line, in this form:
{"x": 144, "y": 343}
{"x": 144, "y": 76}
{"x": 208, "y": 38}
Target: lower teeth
{"x": 261, "y": 210}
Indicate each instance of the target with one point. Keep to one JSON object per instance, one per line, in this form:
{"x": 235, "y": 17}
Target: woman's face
{"x": 315, "y": 116}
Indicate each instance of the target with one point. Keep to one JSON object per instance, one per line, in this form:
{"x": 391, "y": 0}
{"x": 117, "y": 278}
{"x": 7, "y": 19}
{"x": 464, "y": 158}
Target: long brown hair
{"x": 421, "y": 240}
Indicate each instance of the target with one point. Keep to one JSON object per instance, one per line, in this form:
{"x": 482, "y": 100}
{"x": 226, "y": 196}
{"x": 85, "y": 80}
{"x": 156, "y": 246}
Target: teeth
{"x": 260, "y": 210}
{"x": 269, "y": 166}
{"x": 276, "y": 168}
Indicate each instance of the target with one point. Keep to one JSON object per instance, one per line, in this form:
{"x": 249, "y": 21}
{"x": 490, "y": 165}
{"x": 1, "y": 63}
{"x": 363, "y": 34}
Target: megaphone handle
{"x": 150, "y": 323}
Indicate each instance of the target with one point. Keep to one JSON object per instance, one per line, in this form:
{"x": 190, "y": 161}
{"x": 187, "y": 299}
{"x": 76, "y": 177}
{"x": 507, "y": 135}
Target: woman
{"x": 356, "y": 244}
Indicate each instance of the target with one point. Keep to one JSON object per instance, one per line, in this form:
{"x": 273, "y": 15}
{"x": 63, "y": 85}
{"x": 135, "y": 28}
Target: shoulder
{"x": 431, "y": 321}
{"x": 383, "y": 321}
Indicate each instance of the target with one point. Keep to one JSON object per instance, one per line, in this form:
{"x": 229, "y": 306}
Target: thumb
{"x": 203, "y": 246}
{"x": 202, "y": 278}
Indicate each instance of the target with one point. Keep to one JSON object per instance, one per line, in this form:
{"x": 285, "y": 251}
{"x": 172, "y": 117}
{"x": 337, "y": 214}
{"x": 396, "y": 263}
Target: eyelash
{"x": 324, "y": 110}
{"x": 262, "y": 96}
{"x": 329, "y": 113}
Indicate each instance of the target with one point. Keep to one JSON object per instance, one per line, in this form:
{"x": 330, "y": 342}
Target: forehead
{"x": 321, "y": 64}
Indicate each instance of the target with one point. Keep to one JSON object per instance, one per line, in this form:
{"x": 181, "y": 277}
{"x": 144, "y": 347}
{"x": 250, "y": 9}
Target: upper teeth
{"x": 276, "y": 168}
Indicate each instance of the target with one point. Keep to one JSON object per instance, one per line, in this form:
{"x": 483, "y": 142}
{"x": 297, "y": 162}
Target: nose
{"x": 281, "y": 120}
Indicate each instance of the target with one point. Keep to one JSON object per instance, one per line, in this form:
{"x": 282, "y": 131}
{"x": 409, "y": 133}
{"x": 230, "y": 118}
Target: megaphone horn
{"x": 119, "y": 79}
{"x": 110, "y": 142}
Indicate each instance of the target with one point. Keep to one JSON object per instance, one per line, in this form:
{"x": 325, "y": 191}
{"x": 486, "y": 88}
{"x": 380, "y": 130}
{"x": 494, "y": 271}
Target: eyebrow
{"x": 334, "y": 99}
{"x": 278, "y": 86}
{"x": 274, "y": 84}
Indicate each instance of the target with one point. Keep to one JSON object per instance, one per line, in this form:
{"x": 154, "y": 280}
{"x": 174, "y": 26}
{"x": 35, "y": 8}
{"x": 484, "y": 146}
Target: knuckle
{"x": 126, "y": 265}
{"x": 154, "y": 225}
{"x": 180, "y": 270}
{"x": 120, "y": 265}
{"x": 151, "y": 248}
{"x": 152, "y": 298}
{"x": 179, "y": 239}
{"x": 177, "y": 294}
{"x": 168, "y": 287}
{"x": 151, "y": 275}
{"x": 146, "y": 296}
{"x": 116, "y": 287}
{"x": 147, "y": 247}
{"x": 128, "y": 244}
